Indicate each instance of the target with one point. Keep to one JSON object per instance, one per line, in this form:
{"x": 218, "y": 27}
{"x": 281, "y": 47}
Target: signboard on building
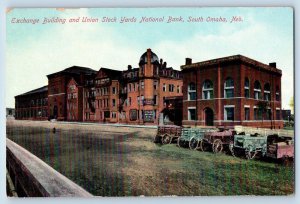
{"x": 133, "y": 114}
{"x": 148, "y": 116}
{"x": 148, "y": 101}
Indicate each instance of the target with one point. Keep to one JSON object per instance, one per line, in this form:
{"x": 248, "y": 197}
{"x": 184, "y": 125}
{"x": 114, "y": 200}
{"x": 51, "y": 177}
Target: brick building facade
{"x": 231, "y": 91}
{"x": 58, "y": 89}
{"x": 32, "y": 105}
{"x": 135, "y": 95}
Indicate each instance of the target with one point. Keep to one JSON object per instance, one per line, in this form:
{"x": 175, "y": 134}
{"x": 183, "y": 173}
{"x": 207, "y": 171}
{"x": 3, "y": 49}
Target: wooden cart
{"x": 217, "y": 141}
{"x": 166, "y": 134}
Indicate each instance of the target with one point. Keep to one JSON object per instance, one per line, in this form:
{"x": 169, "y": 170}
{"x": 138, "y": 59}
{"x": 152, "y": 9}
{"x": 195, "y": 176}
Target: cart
{"x": 280, "y": 148}
{"x": 248, "y": 145}
{"x": 166, "y": 134}
{"x": 196, "y": 138}
{"x": 217, "y": 141}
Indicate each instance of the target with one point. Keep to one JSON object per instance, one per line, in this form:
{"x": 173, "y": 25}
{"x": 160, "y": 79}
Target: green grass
{"x": 114, "y": 164}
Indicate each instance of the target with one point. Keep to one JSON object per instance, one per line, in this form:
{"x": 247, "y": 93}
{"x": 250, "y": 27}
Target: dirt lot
{"x": 122, "y": 161}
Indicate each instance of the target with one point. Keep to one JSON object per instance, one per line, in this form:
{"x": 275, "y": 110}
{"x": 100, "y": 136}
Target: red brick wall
{"x": 57, "y": 95}
{"x": 218, "y": 74}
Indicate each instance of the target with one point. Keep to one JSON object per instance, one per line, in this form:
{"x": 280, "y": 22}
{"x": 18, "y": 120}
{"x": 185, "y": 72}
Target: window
{"x": 229, "y": 88}
{"x": 113, "y": 102}
{"x": 191, "y": 92}
{"x": 257, "y": 114}
{"x": 267, "y": 92}
{"x": 257, "y": 90}
{"x": 171, "y": 88}
{"x": 129, "y": 88}
{"x": 142, "y": 100}
{"x": 277, "y": 94}
{"x": 106, "y": 114}
{"x": 113, "y": 115}
{"x": 164, "y": 87}
{"x": 229, "y": 113}
{"x": 178, "y": 89}
{"x": 247, "y": 113}
{"x": 247, "y": 88}
{"x": 191, "y": 113}
{"x": 142, "y": 85}
{"x": 207, "y": 90}
{"x": 155, "y": 100}
{"x": 138, "y": 100}
{"x": 155, "y": 85}
{"x": 114, "y": 90}
{"x": 278, "y": 114}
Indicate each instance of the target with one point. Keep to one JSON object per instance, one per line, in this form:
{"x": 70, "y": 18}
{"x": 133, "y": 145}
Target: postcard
{"x": 118, "y": 102}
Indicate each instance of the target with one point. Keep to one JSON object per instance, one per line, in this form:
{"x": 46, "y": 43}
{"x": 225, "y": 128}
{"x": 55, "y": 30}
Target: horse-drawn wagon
{"x": 248, "y": 145}
{"x": 166, "y": 134}
{"x": 217, "y": 141}
{"x": 280, "y": 147}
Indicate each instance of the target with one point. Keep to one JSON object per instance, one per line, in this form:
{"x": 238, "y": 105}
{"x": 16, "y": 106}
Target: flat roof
{"x": 232, "y": 58}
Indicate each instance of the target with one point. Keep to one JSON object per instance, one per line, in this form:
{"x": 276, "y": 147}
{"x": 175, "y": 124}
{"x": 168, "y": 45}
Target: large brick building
{"x": 231, "y": 91}
{"x": 58, "y": 91}
{"x": 135, "y": 95}
{"x": 32, "y": 105}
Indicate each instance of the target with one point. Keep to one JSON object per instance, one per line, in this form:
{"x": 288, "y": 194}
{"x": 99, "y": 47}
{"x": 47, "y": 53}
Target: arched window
{"x": 247, "y": 88}
{"x": 229, "y": 88}
{"x": 191, "y": 91}
{"x": 257, "y": 90}
{"x": 267, "y": 92}
{"x": 277, "y": 94}
{"x": 207, "y": 90}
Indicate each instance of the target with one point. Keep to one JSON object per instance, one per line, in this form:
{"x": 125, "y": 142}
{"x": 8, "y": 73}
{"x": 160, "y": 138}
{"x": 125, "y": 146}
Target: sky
{"x": 36, "y": 50}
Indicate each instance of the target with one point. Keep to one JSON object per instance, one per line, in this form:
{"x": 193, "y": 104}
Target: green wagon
{"x": 196, "y": 136}
{"x": 249, "y": 145}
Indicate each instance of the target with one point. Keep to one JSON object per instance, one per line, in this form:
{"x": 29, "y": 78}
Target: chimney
{"x": 272, "y": 64}
{"x": 129, "y": 67}
{"x": 188, "y": 61}
{"x": 165, "y": 65}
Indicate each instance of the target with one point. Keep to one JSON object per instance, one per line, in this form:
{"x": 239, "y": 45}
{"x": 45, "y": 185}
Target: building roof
{"x": 143, "y": 58}
{"x": 35, "y": 91}
{"x": 231, "y": 59}
{"x": 112, "y": 73}
{"x": 75, "y": 70}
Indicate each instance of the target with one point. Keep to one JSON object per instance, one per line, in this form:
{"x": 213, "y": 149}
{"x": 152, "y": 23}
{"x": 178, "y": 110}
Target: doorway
{"x": 209, "y": 117}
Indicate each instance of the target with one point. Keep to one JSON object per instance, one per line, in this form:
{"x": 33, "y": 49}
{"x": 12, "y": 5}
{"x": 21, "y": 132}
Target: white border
{"x": 137, "y": 3}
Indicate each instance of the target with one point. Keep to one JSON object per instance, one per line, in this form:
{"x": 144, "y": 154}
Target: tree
{"x": 263, "y": 107}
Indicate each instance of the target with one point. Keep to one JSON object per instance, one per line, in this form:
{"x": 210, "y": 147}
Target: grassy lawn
{"x": 127, "y": 163}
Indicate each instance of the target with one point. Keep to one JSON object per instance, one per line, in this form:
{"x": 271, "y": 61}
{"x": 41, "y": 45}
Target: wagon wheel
{"x": 157, "y": 139}
{"x": 231, "y": 149}
{"x": 193, "y": 143}
{"x": 217, "y": 146}
{"x": 286, "y": 161}
{"x": 179, "y": 142}
{"x": 167, "y": 139}
{"x": 203, "y": 145}
{"x": 250, "y": 153}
